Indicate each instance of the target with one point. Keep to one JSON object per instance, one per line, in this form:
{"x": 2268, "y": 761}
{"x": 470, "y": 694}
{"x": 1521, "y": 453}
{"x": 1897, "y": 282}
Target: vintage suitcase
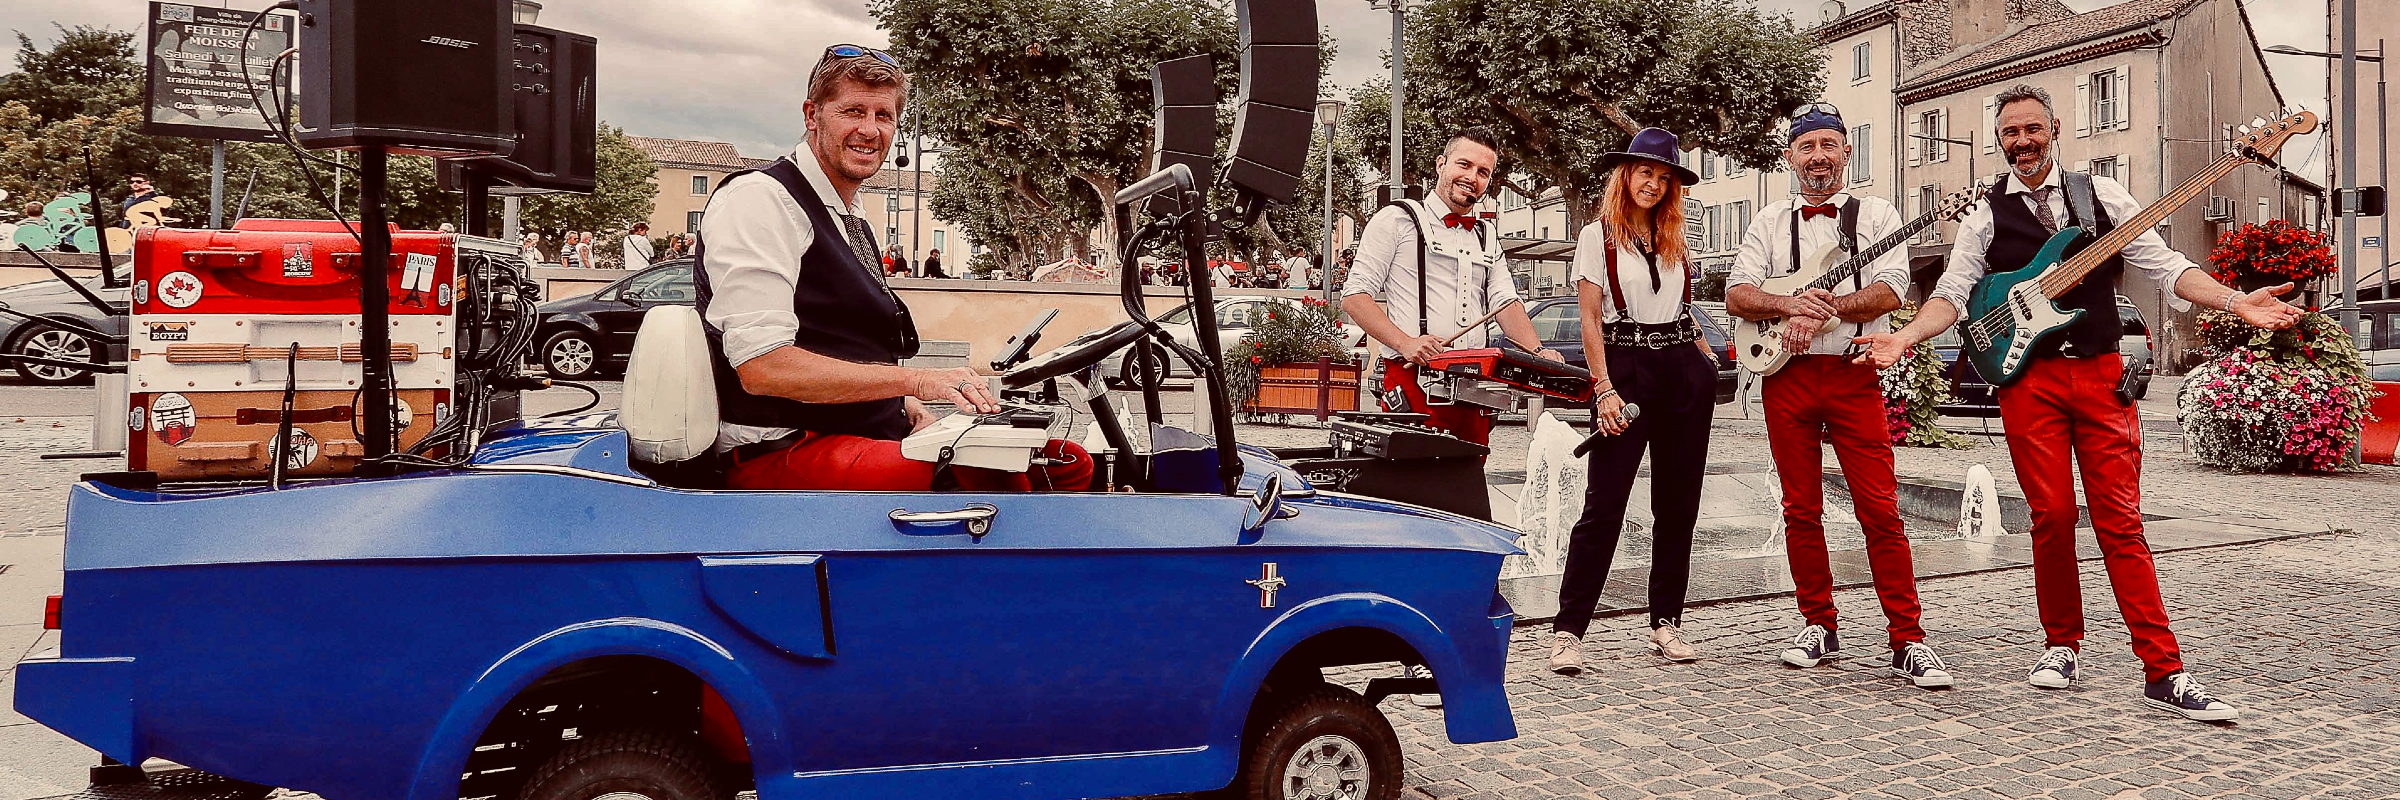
{"x": 186, "y": 436}
{"x": 281, "y": 266}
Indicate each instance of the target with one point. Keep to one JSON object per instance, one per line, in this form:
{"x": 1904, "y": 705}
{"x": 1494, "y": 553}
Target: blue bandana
{"x": 1816, "y": 121}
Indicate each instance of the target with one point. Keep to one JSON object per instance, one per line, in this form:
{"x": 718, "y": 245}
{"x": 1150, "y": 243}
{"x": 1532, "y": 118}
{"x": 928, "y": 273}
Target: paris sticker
{"x": 172, "y": 416}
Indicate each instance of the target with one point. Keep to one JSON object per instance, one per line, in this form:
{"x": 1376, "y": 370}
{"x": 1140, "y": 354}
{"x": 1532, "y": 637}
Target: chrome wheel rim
{"x": 623, "y": 796}
{"x": 1327, "y": 768}
{"x": 572, "y": 356}
{"x": 60, "y": 345}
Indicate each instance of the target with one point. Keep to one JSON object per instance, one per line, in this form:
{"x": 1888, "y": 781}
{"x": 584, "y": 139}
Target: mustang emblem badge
{"x": 1268, "y": 584}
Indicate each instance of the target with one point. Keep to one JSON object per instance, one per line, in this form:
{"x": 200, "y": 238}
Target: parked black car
{"x": 1975, "y": 398}
{"x": 49, "y": 299}
{"x": 1560, "y": 325}
{"x": 582, "y": 337}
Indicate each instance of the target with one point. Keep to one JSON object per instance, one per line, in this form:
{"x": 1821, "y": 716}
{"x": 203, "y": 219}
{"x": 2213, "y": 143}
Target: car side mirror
{"x": 1266, "y": 505}
{"x": 629, "y": 300}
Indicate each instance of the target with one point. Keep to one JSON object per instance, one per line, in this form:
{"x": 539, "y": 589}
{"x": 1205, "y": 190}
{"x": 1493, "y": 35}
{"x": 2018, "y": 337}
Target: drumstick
{"x": 1478, "y": 324}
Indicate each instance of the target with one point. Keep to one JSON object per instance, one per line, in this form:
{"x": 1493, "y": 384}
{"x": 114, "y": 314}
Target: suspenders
{"x": 1847, "y": 239}
{"x": 1616, "y": 292}
{"x": 1424, "y": 237}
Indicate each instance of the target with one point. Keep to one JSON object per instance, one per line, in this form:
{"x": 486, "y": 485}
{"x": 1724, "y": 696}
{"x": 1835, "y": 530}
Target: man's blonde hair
{"x": 864, "y": 70}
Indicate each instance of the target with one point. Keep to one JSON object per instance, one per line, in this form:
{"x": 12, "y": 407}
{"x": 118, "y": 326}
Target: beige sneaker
{"x": 1667, "y": 642}
{"x": 1566, "y": 653}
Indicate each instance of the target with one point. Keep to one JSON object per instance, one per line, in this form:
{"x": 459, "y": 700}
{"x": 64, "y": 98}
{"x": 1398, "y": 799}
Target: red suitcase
{"x": 283, "y": 266}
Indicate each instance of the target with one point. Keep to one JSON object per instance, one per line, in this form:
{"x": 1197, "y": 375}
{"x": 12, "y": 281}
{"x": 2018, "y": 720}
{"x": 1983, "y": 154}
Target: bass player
{"x": 2067, "y": 403}
{"x": 1820, "y": 394}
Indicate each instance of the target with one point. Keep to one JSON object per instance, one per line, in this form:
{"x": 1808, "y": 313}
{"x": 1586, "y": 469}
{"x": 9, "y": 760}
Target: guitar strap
{"x": 2082, "y": 205}
{"x": 1847, "y": 240}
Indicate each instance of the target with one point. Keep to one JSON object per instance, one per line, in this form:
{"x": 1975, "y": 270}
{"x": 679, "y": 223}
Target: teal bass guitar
{"x": 2011, "y": 314}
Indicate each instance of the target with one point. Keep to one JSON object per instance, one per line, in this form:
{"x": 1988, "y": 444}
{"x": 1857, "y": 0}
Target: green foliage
{"x": 627, "y": 192}
{"x": 89, "y": 72}
{"x": 1565, "y": 81}
{"x": 1282, "y": 334}
{"x": 2294, "y": 399}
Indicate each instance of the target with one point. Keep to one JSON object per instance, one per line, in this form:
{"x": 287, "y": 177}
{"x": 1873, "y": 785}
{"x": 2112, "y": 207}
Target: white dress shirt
{"x": 1646, "y": 305}
{"x": 1767, "y": 253}
{"x": 2148, "y": 254}
{"x": 638, "y": 251}
{"x": 756, "y": 234}
{"x": 1386, "y": 269}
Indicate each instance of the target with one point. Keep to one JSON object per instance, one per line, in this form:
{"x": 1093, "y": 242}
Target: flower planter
{"x": 1318, "y": 388}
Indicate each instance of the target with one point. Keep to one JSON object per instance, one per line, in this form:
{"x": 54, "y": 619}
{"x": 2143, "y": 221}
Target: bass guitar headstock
{"x": 2264, "y": 137}
{"x": 1957, "y": 204}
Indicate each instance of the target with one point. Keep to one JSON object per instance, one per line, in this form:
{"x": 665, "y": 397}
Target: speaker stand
{"x": 374, "y": 301}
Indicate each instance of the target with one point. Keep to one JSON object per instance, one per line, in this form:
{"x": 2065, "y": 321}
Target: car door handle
{"x": 977, "y": 518}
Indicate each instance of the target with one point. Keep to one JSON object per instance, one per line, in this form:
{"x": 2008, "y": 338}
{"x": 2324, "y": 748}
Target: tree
{"x": 1565, "y": 81}
{"x": 89, "y": 72}
{"x": 626, "y": 193}
{"x": 1033, "y": 90}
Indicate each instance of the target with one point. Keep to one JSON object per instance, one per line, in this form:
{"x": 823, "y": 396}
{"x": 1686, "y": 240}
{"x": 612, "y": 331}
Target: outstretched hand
{"x": 1880, "y": 351}
{"x": 2260, "y": 308}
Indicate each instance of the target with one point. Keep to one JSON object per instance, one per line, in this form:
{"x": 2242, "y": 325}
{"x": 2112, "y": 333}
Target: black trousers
{"x": 1676, "y": 388}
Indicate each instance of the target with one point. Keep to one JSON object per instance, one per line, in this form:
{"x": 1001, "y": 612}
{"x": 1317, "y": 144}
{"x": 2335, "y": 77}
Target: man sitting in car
{"x": 805, "y": 335}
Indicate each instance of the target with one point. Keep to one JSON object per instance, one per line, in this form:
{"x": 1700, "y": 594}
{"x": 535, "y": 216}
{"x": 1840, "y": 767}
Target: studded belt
{"x": 1658, "y": 336}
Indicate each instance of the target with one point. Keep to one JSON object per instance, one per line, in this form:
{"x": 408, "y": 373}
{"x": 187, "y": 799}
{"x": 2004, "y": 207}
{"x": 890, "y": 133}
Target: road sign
{"x": 2371, "y": 241}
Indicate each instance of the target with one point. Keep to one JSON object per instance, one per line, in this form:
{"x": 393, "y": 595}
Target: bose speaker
{"x": 1277, "y": 105}
{"x": 410, "y": 76}
{"x": 1183, "y": 95}
{"x": 556, "y": 116}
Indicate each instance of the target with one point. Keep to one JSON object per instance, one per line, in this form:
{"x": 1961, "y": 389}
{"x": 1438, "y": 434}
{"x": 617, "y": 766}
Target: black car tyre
{"x": 571, "y": 355}
{"x": 52, "y": 342}
{"x": 1143, "y": 365}
{"x": 1323, "y": 743}
{"x": 625, "y": 765}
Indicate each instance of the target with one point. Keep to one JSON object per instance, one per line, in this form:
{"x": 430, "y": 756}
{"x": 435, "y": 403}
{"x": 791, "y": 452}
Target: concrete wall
{"x": 16, "y": 267}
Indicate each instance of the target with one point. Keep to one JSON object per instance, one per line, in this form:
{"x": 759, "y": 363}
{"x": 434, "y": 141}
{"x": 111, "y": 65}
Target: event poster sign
{"x": 196, "y": 83}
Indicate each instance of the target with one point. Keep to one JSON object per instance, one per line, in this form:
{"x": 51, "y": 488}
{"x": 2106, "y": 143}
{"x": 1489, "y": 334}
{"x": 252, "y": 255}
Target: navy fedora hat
{"x": 1652, "y": 144}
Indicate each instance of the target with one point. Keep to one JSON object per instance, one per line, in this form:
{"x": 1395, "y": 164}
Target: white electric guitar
{"x": 1758, "y": 344}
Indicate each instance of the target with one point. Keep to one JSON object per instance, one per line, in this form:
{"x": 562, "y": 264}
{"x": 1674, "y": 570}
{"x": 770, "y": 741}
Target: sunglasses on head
{"x": 1815, "y": 108}
{"x": 855, "y": 51}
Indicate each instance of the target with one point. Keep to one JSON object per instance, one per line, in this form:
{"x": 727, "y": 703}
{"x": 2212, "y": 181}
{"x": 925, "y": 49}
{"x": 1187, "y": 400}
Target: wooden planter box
{"x": 1317, "y": 389}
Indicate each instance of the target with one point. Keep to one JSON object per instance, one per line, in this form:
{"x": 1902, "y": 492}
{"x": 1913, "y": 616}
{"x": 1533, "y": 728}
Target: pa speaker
{"x": 1190, "y": 81}
{"x": 1278, "y": 98}
{"x": 1184, "y": 121}
{"x": 556, "y": 114}
{"x": 411, "y": 76}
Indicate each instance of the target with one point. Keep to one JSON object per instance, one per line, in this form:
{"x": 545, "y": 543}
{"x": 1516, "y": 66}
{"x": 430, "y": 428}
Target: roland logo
{"x": 446, "y": 41}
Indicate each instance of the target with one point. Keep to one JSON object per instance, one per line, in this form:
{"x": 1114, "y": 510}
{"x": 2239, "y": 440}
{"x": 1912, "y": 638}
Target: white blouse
{"x": 1647, "y": 306}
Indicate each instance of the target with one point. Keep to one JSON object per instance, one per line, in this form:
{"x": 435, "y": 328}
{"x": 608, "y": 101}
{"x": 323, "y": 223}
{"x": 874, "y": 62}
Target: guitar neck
{"x": 1834, "y": 277}
{"x": 2058, "y": 281}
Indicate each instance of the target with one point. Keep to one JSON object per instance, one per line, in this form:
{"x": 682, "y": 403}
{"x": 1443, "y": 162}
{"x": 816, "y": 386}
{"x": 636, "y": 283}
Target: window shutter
{"x": 1916, "y": 146}
{"x": 2125, "y": 169}
{"x": 1991, "y": 115}
{"x": 2124, "y": 100}
{"x": 2083, "y": 106}
{"x": 1944, "y": 121}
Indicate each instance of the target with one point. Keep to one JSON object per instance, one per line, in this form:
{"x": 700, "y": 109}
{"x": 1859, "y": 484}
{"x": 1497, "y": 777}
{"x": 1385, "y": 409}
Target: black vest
{"x": 2017, "y": 234}
{"x": 845, "y": 311}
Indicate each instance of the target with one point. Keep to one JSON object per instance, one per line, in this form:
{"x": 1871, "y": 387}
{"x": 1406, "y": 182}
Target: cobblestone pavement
{"x": 2298, "y": 633}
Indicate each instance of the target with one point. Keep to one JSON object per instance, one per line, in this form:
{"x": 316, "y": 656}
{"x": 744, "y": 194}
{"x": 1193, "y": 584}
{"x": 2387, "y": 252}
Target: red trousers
{"x": 859, "y": 464}
{"x": 1465, "y": 421}
{"x": 2064, "y": 407}
{"x": 1816, "y": 398}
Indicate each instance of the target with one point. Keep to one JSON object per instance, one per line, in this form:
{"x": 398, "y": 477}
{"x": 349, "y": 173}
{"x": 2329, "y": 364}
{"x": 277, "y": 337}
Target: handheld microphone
{"x": 1632, "y": 411}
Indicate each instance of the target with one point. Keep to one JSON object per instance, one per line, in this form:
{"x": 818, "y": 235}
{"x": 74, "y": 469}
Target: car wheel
{"x": 1325, "y": 743}
{"x": 571, "y": 355}
{"x": 625, "y": 765}
{"x": 1145, "y": 364}
{"x": 52, "y": 342}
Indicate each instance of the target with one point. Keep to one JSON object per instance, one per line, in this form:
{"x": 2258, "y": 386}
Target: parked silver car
{"x": 1233, "y": 320}
{"x": 49, "y": 299}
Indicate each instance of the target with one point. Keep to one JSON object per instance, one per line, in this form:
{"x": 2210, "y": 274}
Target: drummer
{"x": 1437, "y": 269}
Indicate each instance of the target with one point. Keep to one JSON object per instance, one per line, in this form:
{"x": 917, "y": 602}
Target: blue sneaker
{"x": 1813, "y": 646}
{"x": 2182, "y": 695}
{"x": 2056, "y": 670}
{"x": 1920, "y": 665}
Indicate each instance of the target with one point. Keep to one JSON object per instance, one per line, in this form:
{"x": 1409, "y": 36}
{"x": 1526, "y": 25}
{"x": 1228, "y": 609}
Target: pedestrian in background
{"x": 638, "y": 250}
{"x": 530, "y": 248}
{"x": 1633, "y": 285}
{"x": 583, "y": 251}
{"x": 933, "y": 264}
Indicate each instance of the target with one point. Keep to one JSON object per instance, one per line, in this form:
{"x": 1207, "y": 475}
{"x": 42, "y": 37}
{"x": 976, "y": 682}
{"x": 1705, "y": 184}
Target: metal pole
{"x": 2349, "y": 142}
{"x": 2383, "y": 175}
{"x": 916, "y": 206}
{"x": 1325, "y": 253}
{"x": 374, "y": 303}
{"x": 216, "y": 184}
{"x": 1399, "y": 58}
{"x": 510, "y": 228}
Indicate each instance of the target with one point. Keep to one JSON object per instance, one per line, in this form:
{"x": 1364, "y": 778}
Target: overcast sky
{"x": 732, "y": 70}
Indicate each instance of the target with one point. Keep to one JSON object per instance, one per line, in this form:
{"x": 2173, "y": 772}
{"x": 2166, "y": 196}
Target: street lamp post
{"x": 1399, "y": 9}
{"x": 2350, "y": 165}
{"x": 1329, "y": 115}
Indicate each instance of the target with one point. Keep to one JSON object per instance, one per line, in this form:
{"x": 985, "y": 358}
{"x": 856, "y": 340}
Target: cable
{"x": 595, "y": 393}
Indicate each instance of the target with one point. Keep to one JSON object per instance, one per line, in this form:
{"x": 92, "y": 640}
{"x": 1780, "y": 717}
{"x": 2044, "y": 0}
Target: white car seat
{"x": 670, "y": 404}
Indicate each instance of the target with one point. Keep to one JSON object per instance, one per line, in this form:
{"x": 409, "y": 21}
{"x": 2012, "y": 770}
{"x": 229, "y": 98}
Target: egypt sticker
{"x": 303, "y": 451}
{"x": 298, "y": 261}
{"x": 173, "y": 417}
{"x": 170, "y": 331}
{"x": 179, "y": 289}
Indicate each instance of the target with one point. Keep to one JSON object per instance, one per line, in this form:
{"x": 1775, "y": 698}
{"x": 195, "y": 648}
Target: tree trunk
{"x": 1106, "y": 186}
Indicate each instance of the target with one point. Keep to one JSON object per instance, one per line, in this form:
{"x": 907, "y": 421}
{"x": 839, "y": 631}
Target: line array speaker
{"x": 412, "y": 76}
{"x": 1183, "y": 95}
{"x": 1277, "y": 104}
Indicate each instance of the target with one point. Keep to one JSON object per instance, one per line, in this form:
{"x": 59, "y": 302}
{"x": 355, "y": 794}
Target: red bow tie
{"x": 1459, "y": 220}
{"x": 1815, "y": 211}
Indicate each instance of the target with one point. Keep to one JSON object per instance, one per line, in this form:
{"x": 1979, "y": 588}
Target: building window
{"x": 1733, "y": 169}
{"x": 699, "y": 185}
{"x": 940, "y": 239}
{"x": 1712, "y": 229}
{"x": 891, "y": 235}
{"x": 1510, "y": 200}
{"x": 1737, "y": 223}
{"x": 1708, "y": 165}
{"x": 2108, "y": 99}
{"x": 1860, "y": 58}
{"x": 691, "y": 222}
{"x": 2107, "y": 168}
{"x": 1862, "y": 155}
{"x": 1934, "y": 123}
{"x": 1926, "y": 197}
{"x": 2263, "y": 214}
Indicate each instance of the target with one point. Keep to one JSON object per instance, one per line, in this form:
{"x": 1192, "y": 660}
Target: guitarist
{"x": 1821, "y": 394}
{"x": 2066, "y": 408}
